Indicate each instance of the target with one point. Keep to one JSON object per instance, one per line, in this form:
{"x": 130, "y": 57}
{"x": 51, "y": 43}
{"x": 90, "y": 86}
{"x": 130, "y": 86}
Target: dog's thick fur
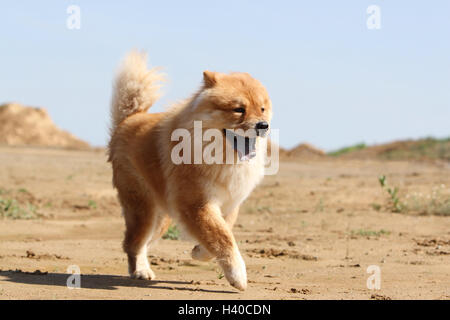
{"x": 152, "y": 190}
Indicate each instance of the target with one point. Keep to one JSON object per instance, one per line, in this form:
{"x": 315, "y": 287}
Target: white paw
{"x": 235, "y": 271}
{"x": 200, "y": 253}
{"x": 144, "y": 274}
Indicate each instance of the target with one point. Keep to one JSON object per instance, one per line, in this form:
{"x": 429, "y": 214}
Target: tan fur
{"x": 203, "y": 198}
{"x": 135, "y": 88}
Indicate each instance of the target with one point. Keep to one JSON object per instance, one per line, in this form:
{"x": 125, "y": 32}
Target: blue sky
{"x": 333, "y": 82}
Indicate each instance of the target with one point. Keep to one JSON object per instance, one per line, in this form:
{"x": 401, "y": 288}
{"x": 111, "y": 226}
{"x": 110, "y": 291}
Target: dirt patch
{"x": 432, "y": 242}
{"x": 302, "y": 291}
{"x": 31, "y": 255}
{"x": 379, "y": 297}
{"x": 35, "y": 273}
{"x": 435, "y": 246}
{"x": 276, "y": 253}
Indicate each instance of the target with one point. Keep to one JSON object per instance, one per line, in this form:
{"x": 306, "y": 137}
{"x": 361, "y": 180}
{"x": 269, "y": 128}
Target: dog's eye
{"x": 239, "y": 110}
{"x": 262, "y": 109}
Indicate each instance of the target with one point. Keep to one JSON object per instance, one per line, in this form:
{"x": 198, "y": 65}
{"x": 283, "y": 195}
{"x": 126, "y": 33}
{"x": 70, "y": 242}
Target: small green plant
{"x": 92, "y": 204}
{"x": 376, "y": 206}
{"x": 264, "y": 209}
{"x": 320, "y": 206}
{"x": 220, "y": 275}
{"x": 11, "y": 209}
{"x": 370, "y": 233}
{"x": 172, "y": 233}
{"x": 395, "y": 204}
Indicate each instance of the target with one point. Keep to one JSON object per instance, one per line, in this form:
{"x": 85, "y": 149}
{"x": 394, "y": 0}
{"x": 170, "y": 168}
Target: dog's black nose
{"x": 262, "y": 125}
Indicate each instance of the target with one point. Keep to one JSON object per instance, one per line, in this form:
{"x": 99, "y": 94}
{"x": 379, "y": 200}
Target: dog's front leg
{"x": 199, "y": 252}
{"x": 214, "y": 234}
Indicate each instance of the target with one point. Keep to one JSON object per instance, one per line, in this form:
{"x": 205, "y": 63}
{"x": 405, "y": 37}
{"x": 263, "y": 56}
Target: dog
{"x": 203, "y": 198}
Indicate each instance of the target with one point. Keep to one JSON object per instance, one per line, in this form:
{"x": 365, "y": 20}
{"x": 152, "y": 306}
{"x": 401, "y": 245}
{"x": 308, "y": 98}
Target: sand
{"x": 309, "y": 232}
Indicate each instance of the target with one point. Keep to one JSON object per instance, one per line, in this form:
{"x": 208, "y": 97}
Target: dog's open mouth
{"x": 244, "y": 146}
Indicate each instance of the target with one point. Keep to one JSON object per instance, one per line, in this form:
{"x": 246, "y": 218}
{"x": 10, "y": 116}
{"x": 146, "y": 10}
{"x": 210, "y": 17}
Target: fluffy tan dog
{"x": 203, "y": 197}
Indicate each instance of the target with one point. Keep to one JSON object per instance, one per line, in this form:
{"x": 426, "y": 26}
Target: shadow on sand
{"x": 101, "y": 281}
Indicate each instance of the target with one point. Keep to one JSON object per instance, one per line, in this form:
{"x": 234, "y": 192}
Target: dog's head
{"x": 237, "y": 104}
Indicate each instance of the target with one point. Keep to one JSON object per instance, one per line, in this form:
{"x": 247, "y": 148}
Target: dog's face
{"x": 237, "y": 104}
{"x": 234, "y": 101}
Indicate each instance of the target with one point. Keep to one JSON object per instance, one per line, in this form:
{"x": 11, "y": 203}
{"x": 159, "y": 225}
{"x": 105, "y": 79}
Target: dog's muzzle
{"x": 261, "y": 128}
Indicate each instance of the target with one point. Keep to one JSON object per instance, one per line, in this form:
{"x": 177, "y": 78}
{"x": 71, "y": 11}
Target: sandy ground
{"x": 309, "y": 232}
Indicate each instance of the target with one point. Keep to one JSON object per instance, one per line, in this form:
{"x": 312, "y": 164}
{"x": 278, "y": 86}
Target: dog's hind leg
{"x": 140, "y": 224}
{"x": 163, "y": 222}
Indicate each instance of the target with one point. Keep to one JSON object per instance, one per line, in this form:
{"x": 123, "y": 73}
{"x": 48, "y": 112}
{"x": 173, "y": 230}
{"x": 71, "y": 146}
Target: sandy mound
{"x": 281, "y": 151}
{"x": 305, "y": 150}
{"x": 22, "y": 125}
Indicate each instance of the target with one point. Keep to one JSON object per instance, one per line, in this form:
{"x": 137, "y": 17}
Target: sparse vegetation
{"x": 11, "y": 209}
{"x": 320, "y": 206}
{"x": 172, "y": 233}
{"x": 435, "y": 203}
{"x": 430, "y": 148}
{"x": 348, "y": 149}
{"x": 92, "y": 204}
{"x": 426, "y": 148}
{"x": 264, "y": 209}
{"x": 369, "y": 233}
{"x": 376, "y": 206}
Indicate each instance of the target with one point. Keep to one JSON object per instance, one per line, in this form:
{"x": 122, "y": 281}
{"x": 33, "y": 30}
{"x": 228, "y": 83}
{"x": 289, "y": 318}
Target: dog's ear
{"x": 209, "y": 78}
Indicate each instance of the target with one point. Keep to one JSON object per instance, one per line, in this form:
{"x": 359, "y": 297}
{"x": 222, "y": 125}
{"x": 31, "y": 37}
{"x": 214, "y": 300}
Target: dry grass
{"x": 437, "y": 202}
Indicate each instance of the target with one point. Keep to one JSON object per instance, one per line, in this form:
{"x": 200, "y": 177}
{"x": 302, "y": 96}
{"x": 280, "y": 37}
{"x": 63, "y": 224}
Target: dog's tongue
{"x": 245, "y": 146}
{"x": 248, "y": 150}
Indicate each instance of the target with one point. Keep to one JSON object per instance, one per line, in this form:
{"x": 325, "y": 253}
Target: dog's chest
{"x": 236, "y": 183}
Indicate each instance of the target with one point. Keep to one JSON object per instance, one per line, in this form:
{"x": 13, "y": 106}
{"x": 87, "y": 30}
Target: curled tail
{"x": 136, "y": 88}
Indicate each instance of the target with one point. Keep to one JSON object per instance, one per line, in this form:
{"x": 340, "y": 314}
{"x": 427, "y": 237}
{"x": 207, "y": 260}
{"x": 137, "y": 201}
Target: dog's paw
{"x": 235, "y": 271}
{"x": 200, "y": 253}
{"x": 144, "y": 274}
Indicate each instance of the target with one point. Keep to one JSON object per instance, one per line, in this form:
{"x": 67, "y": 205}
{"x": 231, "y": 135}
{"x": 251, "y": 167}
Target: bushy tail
{"x": 136, "y": 88}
